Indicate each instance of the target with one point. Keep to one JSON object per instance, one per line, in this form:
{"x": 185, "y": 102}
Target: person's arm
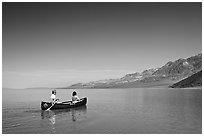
{"x": 77, "y": 98}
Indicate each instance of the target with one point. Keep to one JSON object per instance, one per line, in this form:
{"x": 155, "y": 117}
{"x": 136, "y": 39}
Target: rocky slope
{"x": 168, "y": 74}
{"x": 193, "y": 81}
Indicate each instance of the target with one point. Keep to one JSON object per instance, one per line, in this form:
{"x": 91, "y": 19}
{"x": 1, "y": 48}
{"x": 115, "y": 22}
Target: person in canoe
{"x": 53, "y": 96}
{"x": 75, "y": 98}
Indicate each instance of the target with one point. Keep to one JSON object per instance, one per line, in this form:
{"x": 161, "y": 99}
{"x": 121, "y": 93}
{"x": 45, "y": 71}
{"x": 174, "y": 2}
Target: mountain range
{"x": 167, "y": 75}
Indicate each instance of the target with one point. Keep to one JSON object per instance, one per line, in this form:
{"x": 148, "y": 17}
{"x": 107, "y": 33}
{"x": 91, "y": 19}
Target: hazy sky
{"x": 58, "y": 44}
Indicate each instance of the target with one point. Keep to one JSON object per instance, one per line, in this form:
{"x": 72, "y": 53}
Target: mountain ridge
{"x": 170, "y": 73}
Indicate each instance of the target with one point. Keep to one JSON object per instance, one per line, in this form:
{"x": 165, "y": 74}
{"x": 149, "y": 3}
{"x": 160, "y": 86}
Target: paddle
{"x": 52, "y": 105}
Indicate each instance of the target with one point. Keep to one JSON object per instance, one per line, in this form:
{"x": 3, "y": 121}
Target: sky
{"x": 59, "y": 44}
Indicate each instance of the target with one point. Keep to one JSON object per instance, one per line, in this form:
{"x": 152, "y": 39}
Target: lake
{"x": 108, "y": 111}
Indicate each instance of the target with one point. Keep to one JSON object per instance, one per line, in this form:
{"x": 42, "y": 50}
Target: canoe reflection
{"x": 75, "y": 113}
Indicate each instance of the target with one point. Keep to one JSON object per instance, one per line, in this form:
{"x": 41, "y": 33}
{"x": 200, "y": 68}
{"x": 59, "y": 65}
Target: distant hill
{"x": 193, "y": 81}
{"x": 168, "y": 74}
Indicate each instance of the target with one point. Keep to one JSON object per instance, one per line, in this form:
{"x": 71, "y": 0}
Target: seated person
{"x": 75, "y": 98}
{"x": 53, "y": 96}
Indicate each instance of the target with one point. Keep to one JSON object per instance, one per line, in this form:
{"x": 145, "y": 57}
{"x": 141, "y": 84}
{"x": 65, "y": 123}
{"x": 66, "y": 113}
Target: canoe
{"x": 63, "y": 105}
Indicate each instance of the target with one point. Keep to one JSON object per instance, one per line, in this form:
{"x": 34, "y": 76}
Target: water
{"x": 108, "y": 111}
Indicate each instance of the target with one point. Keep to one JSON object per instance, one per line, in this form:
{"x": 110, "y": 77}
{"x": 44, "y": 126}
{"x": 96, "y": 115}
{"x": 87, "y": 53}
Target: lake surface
{"x": 108, "y": 111}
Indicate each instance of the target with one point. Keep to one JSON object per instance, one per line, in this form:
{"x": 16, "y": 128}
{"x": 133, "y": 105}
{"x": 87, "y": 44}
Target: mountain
{"x": 194, "y": 80}
{"x": 181, "y": 67}
{"x": 168, "y": 74}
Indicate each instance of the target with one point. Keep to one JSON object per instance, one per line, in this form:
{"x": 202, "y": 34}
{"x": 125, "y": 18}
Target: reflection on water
{"x": 75, "y": 113}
